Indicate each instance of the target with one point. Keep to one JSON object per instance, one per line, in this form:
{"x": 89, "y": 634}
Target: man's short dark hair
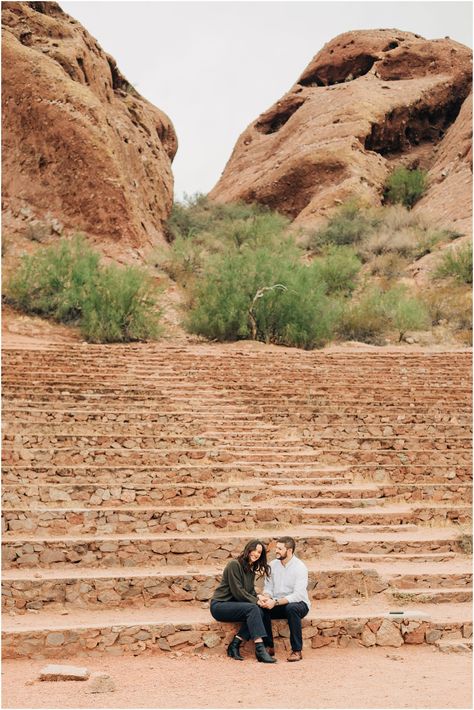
{"x": 288, "y": 542}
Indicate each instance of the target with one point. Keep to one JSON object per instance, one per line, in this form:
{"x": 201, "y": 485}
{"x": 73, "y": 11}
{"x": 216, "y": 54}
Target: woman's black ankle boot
{"x": 233, "y": 649}
{"x": 262, "y": 655}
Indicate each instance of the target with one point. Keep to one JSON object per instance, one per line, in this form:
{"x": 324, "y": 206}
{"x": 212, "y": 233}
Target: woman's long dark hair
{"x": 260, "y": 566}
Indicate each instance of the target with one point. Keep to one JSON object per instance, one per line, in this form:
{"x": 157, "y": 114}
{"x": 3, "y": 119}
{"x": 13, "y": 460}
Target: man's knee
{"x": 295, "y": 610}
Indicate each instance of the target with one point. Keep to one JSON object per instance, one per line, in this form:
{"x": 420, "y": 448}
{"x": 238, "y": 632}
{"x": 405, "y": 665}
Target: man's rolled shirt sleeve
{"x": 299, "y": 593}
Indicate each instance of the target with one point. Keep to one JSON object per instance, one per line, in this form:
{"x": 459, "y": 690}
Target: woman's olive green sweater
{"x": 236, "y": 586}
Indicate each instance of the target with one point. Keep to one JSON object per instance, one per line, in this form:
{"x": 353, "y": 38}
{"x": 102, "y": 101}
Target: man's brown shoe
{"x": 270, "y": 650}
{"x": 295, "y": 656}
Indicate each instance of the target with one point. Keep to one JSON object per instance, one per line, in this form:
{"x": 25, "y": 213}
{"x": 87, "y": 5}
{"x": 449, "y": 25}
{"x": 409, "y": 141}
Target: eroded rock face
{"x": 367, "y": 101}
{"x": 81, "y": 148}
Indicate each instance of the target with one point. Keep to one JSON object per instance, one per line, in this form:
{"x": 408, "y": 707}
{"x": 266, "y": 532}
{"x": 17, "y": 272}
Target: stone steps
{"x": 169, "y": 519}
{"x": 230, "y": 473}
{"x": 45, "y": 635}
{"x": 369, "y": 558}
{"x": 152, "y": 550}
{"x": 30, "y": 416}
{"x": 437, "y": 596}
{"x": 75, "y": 588}
{"x": 207, "y": 445}
{"x": 268, "y": 402}
{"x": 238, "y": 457}
{"x": 134, "y": 473}
{"x": 243, "y": 491}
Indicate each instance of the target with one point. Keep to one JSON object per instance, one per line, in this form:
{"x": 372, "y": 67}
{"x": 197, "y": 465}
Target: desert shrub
{"x": 338, "y": 268}
{"x": 363, "y": 319}
{"x": 405, "y": 312}
{"x": 386, "y": 242}
{"x": 347, "y": 226}
{"x": 451, "y": 305}
{"x": 52, "y": 281}
{"x": 66, "y": 282}
{"x": 296, "y": 312}
{"x": 405, "y": 186}
{"x": 202, "y": 229}
{"x": 389, "y": 265}
{"x": 457, "y": 263}
{"x": 376, "y": 312}
{"x": 401, "y": 232}
{"x": 120, "y": 306}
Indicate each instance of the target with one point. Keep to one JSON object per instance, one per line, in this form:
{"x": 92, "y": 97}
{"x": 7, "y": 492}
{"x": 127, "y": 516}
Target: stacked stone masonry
{"x": 132, "y": 474}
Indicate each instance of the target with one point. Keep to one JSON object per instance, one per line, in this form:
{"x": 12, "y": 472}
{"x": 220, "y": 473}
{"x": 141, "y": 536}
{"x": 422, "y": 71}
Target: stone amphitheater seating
{"x": 131, "y": 474}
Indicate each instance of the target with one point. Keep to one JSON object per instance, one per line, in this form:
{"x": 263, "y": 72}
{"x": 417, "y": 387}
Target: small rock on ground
{"x": 53, "y": 672}
{"x": 101, "y": 683}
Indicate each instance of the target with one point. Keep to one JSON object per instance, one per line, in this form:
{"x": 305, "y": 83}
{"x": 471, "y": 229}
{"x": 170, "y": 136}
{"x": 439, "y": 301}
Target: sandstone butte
{"x": 81, "y": 148}
{"x": 368, "y": 101}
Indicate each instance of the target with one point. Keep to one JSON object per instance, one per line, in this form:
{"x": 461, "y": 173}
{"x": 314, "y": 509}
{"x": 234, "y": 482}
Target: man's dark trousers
{"x": 293, "y": 613}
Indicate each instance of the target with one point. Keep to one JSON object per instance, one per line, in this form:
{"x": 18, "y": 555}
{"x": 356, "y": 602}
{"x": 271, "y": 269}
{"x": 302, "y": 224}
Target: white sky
{"x": 213, "y": 67}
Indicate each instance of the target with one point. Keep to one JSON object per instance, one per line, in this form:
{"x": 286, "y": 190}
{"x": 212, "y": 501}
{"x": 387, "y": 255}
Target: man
{"x": 286, "y": 596}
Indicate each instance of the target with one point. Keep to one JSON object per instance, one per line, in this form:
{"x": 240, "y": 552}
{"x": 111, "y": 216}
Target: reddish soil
{"x": 23, "y": 331}
{"x": 372, "y": 678}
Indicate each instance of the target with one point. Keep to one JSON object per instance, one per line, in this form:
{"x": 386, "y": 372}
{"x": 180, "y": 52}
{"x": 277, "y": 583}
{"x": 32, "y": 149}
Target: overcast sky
{"x": 213, "y": 67}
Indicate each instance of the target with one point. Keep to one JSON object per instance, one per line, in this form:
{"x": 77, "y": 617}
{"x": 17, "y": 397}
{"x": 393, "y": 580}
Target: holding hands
{"x": 265, "y": 601}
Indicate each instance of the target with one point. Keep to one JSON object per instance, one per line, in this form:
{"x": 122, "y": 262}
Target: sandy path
{"x": 414, "y": 677}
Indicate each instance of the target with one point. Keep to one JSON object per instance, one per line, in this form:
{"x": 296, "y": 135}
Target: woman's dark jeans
{"x": 251, "y": 614}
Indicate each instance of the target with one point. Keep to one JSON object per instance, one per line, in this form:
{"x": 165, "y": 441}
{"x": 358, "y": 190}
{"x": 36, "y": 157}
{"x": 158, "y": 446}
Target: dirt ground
{"x": 409, "y": 677}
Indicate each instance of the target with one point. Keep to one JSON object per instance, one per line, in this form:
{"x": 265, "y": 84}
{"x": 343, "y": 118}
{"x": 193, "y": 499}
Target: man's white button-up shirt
{"x": 289, "y": 581}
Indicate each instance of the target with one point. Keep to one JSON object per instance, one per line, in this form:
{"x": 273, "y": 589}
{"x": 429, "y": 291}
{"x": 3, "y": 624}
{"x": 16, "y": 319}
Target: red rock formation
{"x": 80, "y": 146}
{"x": 366, "y": 102}
{"x": 449, "y": 197}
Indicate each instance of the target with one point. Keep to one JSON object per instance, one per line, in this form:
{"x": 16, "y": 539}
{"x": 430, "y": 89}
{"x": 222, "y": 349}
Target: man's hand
{"x": 268, "y": 603}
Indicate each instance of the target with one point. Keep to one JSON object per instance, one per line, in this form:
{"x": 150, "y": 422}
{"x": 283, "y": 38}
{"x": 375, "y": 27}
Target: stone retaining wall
{"x": 138, "y": 520}
{"x": 163, "y": 457}
{"x": 372, "y": 423}
{"x": 189, "y": 474}
{"x": 206, "y": 444}
{"x": 118, "y": 495}
{"x": 115, "y": 640}
{"x": 151, "y": 552}
{"x": 127, "y": 591}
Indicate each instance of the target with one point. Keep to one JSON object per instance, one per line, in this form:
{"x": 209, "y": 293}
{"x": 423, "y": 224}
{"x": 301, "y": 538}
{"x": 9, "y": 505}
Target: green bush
{"x": 364, "y": 320}
{"x": 65, "y": 282}
{"x": 347, "y": 226}
{"x": 457, "y": 263}
{"x": 405, "y": 186}
{"x": 52, "y": 282}
{"x": 375, "y": 313}
{"x": 120, "y": 306}
{"x": 405, "y": 312}
{"x": 236, "y": 300}
{"x": 338, "y": 268}
{"x": 202, "y": 229}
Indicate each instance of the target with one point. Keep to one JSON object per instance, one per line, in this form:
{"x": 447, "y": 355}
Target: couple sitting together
{"x": 284, "y": 596}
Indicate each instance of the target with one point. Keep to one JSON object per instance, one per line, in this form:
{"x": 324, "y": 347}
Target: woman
{"x": 235, "y": 599}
